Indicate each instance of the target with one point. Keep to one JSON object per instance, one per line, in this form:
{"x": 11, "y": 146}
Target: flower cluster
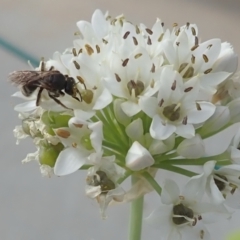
{"x": 136, "y": 100}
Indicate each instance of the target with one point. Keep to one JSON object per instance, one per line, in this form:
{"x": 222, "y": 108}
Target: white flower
{"x": 102, "y": 181}
{"x": 176, "y": 108}
{"x": 234, "y": 148}
{"x": 182, "y": 215}
{"x": 80, "y": 141}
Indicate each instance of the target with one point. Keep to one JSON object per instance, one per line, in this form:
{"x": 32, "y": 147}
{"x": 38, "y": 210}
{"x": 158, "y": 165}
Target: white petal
{"x": 96, "y": 136}
{"x": 219, "y": 119}
{"x": 191, "y": 148}
{"x": 170, "y": 192}
{"x": 119, "y": 114}
{"x": 138, "y": 157}
{"x": 69, "y": 161}
{"x": 135, "y": 129}
{"x": 99, "y": 24}
{"x": 148, "y": 105}
{"x": 198, "y": 116}
{"x": 186, "y": 131}
{"x": 103, "y": 100}
{"x": 130, "y": 108}
{"x": 26, "y": 106}
{"x": 160, "y": 131}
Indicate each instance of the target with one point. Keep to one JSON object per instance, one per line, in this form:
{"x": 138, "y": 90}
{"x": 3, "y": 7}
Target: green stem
{"x": 136, "y": 213}
{"x": 177, "y": 170}
{"x": 152, "y": 182}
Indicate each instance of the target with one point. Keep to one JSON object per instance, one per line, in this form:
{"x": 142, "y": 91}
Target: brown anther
{"x": 81, "y": 80}
{"x": 149, "y": 41}
{"x": 135, "y": 41}
{"x": 105, "y": 41}
{"x": 74, "y": 52}
{"x": 207, "y": 71}
{"x": 125, "y": 62}
{"x": 189, "y": 73}
{"x": 209, "y": 46}
{"x": 126, "y": 35}
{"x": 78, "y": 125}
{"x": 138, "y": 55}
{"x": 194, "y": 47}
{"x": 205, "y": 58}
{"x": 113, "y": 22}
{"x": 117, "y": 77}
{"x": 196, "y": 40}
{"x": 177, "y": 32}
{"x": 121, "y": 22}
{"x": 162, "y": 23}
{"x": 76, "y": 64}
{"x": 173, "y": 87}
{"x": 74, "y": 145}
{"x": 177, "y": 43}
{"x": 153, "y": 68}
{"x": 182, "y": 67}
{"x": 193, "y": 59}
{"x": 108, "y": 17}
{"x": 62, "y": 133}
{"x": 137, "y": 29}
{"x": 193, "y": 31}
{"x": 80, "y": 51}
{"x": 161, "y": 102}
{"x": 201, "y": 234}
{"x": 161, "y": 37}
{"x": 198, "y": 106}
{"x": 152, "y": 83}
{"x": 184, "y": 121}
{"x": 199, "y": 217}
{"x": 89, "y": 49}
{"x": 188, "y": 89}
{"x": 149, "y": 31}
{"x": 98, "y": 49}
{"x": 187, "y": 25}
{"x": 175, "y": 24}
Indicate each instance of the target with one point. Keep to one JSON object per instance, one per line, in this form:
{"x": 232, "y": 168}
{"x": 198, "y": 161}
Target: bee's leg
{"x": 61, "y": 93}
{"x": 58, "y": 101}
{"x": 79, "y": 95}
{"x": 39, "y": 96}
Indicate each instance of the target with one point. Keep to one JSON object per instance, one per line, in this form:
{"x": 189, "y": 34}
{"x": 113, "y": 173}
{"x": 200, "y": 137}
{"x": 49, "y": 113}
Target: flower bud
{"x": 48, "y": 153}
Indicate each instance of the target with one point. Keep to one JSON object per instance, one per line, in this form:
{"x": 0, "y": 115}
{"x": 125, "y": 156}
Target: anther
{"x": 89, "y": 49}
{"x": 125, "y": 62}
{"x": 126, "y": 35}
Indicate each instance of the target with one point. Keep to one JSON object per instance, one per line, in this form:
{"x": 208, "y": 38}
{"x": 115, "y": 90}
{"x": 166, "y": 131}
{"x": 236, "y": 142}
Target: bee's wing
{"x": 29, "y": 77}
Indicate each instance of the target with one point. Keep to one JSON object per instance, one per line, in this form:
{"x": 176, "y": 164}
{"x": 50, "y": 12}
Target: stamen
{"x": 137, "y": 29}
{"x": 135, "y": 41}
{"x": 89, "y": 49}
{"x": 161, "y": 37}
{"x": 184, "y": 121}
{"x": 177, "y": 43}
{"x": 188, "y": 89}
{"x": 149, "y": 31}
{"x": 80, "y": 51}
{"x": 125, "y": 62}
{"x": 149, "y": 41}
{"x": 62, "y": 133}
{"x": 194, "y": 47}
{"x": 175, "y": 24}
{"x": 193, "y": 31}
{"x": 193, "y": 59}
{"x": 198, "y": 106}
{"x": 105, "y": 41}
{"x": 126, "y": 35}
{"x": 209, "y": 46}
{"x": 77, "y": 66}
{"x": 205, "y": 58}
{"x": 98, "y": 49}
{"x": 153, "y": 68}
{"x": 187, "y": 25}
{"x": 201, "y": 234}
{"x": 117, "y": 77}
{"x": 173, "y": 87}
{"x": 162, "y": 23}
{"x": 207, "y": 71}
{"x": 74, "y": 52}
{"x": 177, "y": 32}
{"x": 138, "y": 55}
{"x": 161, "y": 102}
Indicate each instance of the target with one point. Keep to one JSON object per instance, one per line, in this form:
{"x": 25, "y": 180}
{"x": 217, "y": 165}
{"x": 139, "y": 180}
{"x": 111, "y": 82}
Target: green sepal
{"x": 55, "y": 119}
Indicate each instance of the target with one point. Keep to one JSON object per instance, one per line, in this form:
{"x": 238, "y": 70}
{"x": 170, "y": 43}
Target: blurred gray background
{"x": 33, "y": 207}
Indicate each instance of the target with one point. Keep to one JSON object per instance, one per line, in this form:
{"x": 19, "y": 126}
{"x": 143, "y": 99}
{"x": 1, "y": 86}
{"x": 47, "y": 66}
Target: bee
{"x": 53, "y": 81}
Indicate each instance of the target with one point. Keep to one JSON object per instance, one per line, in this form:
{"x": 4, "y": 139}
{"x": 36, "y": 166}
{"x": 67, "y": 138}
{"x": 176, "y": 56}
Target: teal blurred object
{"x": 18, "y": 52}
